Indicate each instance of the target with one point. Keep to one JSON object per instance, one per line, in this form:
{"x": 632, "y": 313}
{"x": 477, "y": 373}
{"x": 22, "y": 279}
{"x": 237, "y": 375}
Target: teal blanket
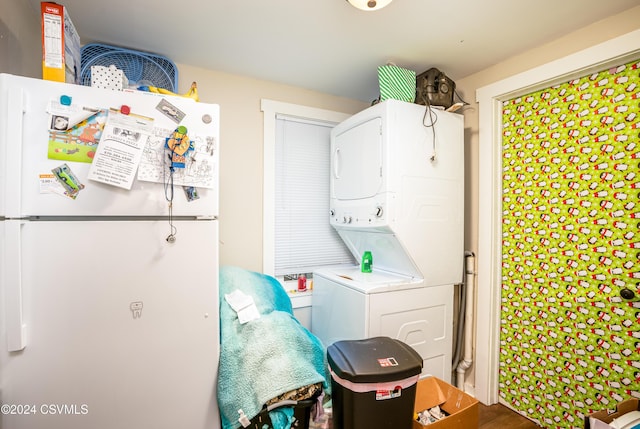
{"x": 265, "y": 357}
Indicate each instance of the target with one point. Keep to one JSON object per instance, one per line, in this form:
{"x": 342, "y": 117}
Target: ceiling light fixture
{"x": 369, "y": 4}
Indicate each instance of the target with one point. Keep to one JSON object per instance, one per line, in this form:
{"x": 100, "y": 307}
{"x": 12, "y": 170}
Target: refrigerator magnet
{"x": 179, "y": 144}
{"x": 68, "y": 180}
{"x": 170, "y": 111}
{"x": 191, "y": 192}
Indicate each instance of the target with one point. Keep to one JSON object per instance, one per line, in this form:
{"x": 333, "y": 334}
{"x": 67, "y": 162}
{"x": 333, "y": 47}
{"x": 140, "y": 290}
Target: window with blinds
{"x": 304, "y": 240}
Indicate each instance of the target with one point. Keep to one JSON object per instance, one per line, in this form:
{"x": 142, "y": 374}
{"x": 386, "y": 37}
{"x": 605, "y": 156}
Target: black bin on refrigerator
{"x": 373, "y": 383}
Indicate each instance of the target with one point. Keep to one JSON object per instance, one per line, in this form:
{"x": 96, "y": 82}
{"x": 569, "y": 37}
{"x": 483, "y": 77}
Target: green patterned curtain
{"x": 570, "y": 344}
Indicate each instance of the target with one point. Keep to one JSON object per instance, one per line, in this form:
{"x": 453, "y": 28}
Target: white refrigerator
{"x": 108, "y": 296}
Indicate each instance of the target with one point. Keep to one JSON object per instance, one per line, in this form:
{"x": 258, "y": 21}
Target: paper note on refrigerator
{"x": 200, "y": 168}
{"x": 123, "y": 140}
{"x": 79, "y": 142}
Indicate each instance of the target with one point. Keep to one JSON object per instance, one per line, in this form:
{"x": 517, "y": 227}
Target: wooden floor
{"x": 498, "y": 416}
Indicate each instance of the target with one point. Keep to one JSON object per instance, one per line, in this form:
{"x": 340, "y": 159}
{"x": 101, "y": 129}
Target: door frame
{"x": 596, "y": 58}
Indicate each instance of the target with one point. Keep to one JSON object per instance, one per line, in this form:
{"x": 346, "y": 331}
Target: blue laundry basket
{"x": 139, "y": 67}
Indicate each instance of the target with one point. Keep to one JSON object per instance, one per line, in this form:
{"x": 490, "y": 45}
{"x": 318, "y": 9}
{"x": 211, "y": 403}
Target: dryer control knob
{"x": 379, "y": 211}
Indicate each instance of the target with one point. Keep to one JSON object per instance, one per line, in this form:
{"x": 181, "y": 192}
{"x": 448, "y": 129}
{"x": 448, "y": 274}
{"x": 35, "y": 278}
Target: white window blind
{"x": 304, "y": 240}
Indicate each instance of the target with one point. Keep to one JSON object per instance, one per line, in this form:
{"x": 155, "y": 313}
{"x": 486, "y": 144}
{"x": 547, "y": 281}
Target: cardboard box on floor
{"x": 601, "y": 419}
{"x": 462, "y": 408}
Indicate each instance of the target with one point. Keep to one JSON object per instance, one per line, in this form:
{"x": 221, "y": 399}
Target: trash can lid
{"x": 373, "y": 360}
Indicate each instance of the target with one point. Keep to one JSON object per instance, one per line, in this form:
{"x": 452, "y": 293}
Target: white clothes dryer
{"x": 396, "y": 191}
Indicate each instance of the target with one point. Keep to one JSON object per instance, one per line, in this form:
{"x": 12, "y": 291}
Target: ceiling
{"x": 328, "y": 45}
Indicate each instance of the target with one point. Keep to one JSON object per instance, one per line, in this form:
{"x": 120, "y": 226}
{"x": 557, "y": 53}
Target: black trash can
{"x": 373, "y": 383}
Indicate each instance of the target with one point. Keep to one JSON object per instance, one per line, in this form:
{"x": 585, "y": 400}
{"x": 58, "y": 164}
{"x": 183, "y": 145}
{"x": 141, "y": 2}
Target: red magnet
{"x": 125, "y": 110}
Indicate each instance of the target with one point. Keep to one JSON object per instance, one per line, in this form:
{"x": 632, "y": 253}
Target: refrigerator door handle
{"x": 17, "y": 103}
{"x": 16, "y": 330}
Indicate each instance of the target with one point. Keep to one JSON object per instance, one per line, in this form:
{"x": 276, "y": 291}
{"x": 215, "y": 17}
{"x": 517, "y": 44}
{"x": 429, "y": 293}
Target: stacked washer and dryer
{"x": 397, "y": 191}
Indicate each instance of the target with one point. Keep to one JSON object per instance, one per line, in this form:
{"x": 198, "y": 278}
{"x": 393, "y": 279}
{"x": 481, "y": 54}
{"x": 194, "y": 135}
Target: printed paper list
{"x": 120, "y": 149}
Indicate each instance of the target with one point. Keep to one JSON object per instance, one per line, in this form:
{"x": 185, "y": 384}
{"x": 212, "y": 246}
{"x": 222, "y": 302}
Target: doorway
{"x": 616, "y": 51}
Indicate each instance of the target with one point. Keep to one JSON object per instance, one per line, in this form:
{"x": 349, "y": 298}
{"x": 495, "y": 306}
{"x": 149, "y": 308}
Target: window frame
{"x": 271, "y": 109}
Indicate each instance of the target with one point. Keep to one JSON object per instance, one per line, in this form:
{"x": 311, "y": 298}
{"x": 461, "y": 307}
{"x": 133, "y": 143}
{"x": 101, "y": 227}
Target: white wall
{"x": 20, "y": 48}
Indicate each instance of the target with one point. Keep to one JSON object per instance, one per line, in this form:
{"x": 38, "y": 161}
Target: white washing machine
{"x": 397, "y": 191}
{"x": 352, "y": 305}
